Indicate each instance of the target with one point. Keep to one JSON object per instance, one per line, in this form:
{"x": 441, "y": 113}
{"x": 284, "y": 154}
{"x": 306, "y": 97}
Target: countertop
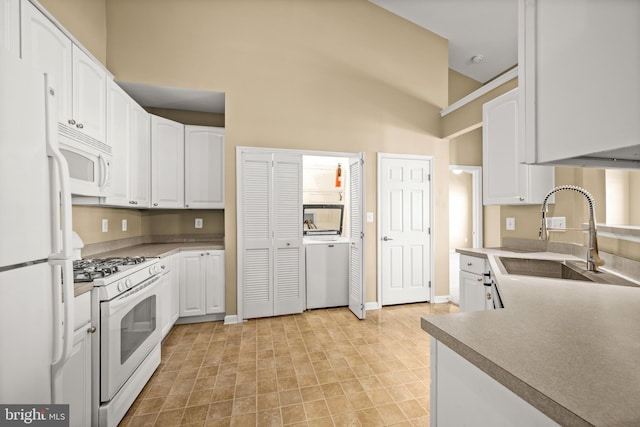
{"x": 151, "y": 250}
{"x": 570, "y": 349}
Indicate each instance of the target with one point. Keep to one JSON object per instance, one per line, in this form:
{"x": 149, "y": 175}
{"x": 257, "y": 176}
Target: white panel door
{"x": 118, "y": 137}
{"x": 287, "y": 224}
{"x": 10, "y": 26}
{"x": 204, "y": 167}
{"x": 255, "y": 232}
{"x": 192, "y": 284}
{"x": 167, "y": 163}
{"x": 404, "y": 226}
{"x": 215, "y": 283}
{"x": 356, "y": 238}
{"x": 140, "y": 157}
{"x": 49, "y": 51}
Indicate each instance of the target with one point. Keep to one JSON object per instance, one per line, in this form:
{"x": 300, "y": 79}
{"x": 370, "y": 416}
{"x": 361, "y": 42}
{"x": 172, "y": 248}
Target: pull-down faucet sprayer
{"x": 593, "y": 259}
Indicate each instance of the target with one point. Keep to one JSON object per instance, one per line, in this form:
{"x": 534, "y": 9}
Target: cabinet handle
{"x": 72, "y": 122}
{"x": 201, "y": 254}
{"x": 186, "y": 206}
{"x": 488, "y": 295}
{"x": 92, "y": 330}
{"x": 79, "y": 125}
{"x": 163, "y": 266}
{"x": 480, "y": 279}
{"x": 155, "y": 204}
{"x": 521, "y": 199}
{"x": 469, "y": 264}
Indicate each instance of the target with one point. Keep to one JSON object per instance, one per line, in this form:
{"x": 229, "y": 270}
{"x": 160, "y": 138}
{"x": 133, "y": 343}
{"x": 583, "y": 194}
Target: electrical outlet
{"x": 124, "y": 225}
{"x": 105, "y": 225}
{"x": 511, "y": 224}
{"x": 557, "y": 222}
{"x": 198, "y": 223}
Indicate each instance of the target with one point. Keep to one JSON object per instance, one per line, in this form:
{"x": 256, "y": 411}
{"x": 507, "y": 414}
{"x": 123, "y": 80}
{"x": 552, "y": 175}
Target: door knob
{"x": 386, "y": 238}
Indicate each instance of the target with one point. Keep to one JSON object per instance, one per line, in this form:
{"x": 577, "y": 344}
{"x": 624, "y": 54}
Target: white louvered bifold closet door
{"x": 356, "y": 210}
{"x": 287, "y": 221}
{"x": 257, "y": 270}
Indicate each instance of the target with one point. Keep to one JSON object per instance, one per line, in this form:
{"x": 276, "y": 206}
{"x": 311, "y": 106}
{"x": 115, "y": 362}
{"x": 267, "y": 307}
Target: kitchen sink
{"x": 571, "y": 270}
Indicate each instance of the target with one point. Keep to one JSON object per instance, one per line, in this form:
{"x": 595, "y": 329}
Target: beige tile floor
{"x": 319, "y": 368}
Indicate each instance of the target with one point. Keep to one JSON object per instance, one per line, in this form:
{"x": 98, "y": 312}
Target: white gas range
{"x": 125, "y": 305}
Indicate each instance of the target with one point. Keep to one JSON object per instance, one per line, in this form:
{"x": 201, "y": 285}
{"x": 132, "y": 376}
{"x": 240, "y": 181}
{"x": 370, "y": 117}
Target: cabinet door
{"x": 255, "y": 218}
{"x": 49, "y": 51}
{"x": 76, "y": 379}
{"x": 288, "y": 280}
{"x": 572, "y": 105}
{"x": 472, "y": 294}
{"x": 174, "y": 265}
{"x": 89, "y": 96}
{"x": 118, "y": 137}
{"x": 10, "y": 25}
{"x": 192, "y": 284}
{"x": 204, "y": 167}
{"x": 505, "y": 180}
{"x": 167, "y": 163}
{"x": 215, "y": 283}
{"x": 139, "y": 154}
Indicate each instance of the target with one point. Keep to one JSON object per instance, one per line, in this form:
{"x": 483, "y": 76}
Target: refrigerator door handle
{"x": 64, "y": 257}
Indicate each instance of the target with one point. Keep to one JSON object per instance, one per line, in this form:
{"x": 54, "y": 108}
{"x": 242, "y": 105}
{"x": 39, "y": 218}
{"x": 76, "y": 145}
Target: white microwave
{"x": 89, "y": 167}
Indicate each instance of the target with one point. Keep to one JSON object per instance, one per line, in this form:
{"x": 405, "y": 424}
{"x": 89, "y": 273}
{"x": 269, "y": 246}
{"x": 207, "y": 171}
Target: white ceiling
{"x": 472, "y": 27}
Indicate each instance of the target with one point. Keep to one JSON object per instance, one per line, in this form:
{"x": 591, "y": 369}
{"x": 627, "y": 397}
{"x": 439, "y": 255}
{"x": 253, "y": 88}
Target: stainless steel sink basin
{"x": 571, "y": 270}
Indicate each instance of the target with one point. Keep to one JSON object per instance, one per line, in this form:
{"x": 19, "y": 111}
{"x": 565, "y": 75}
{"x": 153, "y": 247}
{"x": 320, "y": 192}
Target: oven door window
{"x": 136, "y": 326}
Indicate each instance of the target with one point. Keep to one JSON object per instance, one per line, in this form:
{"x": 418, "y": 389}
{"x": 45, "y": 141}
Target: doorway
{"x": 465, "y": 219}
{"x": 405, "y": 239}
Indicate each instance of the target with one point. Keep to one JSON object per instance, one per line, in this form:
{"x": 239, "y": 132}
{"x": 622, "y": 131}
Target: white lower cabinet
{"x": 474, "y": 295}
{"x": 170, "y": 293}
{"x": 202, "y": 283}
{"x": 76, "y": 373}
{"x": 463, "y": 395}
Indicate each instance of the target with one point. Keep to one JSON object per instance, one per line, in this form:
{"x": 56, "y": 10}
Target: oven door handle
{"x": 135, "y": 294}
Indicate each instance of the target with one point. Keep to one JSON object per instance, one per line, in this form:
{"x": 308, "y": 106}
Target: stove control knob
{"x": 129, "y": 283}
{"x": 122, "y": 287}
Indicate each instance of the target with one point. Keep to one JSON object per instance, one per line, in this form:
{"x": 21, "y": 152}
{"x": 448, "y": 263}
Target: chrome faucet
{"x": 593, "y": 259}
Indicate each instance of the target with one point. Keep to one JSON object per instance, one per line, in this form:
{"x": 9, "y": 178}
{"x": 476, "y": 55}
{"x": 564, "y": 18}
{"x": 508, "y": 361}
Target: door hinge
{"x": 429, "y": 283}
{"x": 362, "y": 161}
{"x": 362, "y": 234}
{"x": 428, "y": 177}
{"x": 429, "y": 230}
{"x": 361, "y": 306}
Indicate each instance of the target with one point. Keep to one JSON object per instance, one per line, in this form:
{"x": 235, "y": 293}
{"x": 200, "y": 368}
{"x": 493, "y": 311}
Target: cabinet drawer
{"x": 472, "y": 264}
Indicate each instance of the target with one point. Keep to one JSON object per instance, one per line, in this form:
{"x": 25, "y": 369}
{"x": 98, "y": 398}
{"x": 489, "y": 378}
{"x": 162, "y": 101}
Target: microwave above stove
{"x": 89, "y": 167}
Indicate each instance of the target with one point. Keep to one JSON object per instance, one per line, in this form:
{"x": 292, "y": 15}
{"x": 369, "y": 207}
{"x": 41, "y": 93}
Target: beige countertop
{"x": 569, "y": 348}
{"x": 151, "y": 250}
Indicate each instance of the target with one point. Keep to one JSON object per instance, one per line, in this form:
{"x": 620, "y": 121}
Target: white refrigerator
{"x": 36, "y": 327}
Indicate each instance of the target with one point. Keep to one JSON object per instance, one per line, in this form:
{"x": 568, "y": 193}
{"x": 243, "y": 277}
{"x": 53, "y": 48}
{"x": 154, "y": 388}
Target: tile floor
{"x": 319, "y": 368}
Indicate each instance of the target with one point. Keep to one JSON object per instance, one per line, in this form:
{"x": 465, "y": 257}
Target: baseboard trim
{"x": 371, "y": 306}
{"x": 231, "y": 319}
{"x": 442, "y": 299}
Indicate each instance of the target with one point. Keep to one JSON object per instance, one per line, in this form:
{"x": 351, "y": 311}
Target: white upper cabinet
{"x": 118, "y": 137}
{"x": 204, "y": 167}
{"x": 81, "y": 83}
{"x": 578, "y": 73}
{"x": 10, "y": 26}
{"x": 167, "y": 163}
{"x": 128, "y": 134}
{"x": 505, "y": 180}
{"x": 89, "y": 96}
{"x": 140, "y": 157}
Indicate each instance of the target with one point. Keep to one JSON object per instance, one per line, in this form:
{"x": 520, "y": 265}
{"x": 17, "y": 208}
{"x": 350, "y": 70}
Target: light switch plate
{"x": 105, "y": 225}
{"x": 511, "y": 224}
{"x": 369, "y": 216}
{"x": 198, "y": 223}
{"x": 124, "y": 225}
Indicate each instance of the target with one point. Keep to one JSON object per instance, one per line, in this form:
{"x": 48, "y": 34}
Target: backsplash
{"x": 87, "y": 222}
